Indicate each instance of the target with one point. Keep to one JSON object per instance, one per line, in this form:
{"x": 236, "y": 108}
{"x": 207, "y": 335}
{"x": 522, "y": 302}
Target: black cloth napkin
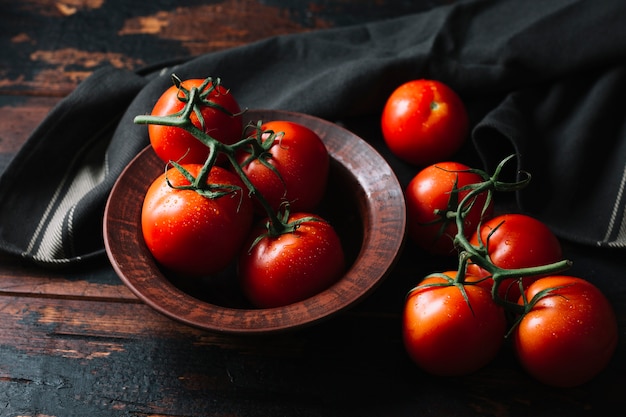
{"x": 543, "y": 79}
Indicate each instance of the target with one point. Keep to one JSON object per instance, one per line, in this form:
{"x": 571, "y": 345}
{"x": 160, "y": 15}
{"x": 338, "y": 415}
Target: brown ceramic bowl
{"x": 364, "y": 202}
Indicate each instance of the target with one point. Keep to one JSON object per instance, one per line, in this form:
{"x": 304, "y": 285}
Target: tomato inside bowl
{"x": 364, "y": 202}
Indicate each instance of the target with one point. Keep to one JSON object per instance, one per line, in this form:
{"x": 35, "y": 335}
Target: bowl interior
{"x": 341, "y": 206}
{"x": 364, "y": 202}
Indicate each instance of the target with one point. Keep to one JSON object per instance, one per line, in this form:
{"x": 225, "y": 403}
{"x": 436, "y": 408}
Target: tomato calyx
{"x": 479, "y": 254}
{"x": 199, "y": 183}
{"x": 208, "y": 86}
{"x": 193, "y": 99}
{"x": 259, "y": 148}
{"x": 257, "y": 145}
{"x": 457, "y": 211}
{"x": 528, "y": 305}
{"x": 281, "y": 225}
{"x": 458, "y": 281}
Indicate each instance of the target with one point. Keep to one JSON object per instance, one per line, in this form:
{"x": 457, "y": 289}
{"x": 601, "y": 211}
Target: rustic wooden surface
{"x": 78, "y": 343}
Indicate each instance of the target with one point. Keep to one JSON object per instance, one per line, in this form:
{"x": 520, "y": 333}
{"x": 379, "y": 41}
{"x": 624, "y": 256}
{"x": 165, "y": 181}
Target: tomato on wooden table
{"x": 221, "y": 116}
{"x": 437, "y": 187}
{"x": 569, "y": 336}
{"x": 515, "y": 241}
{"x": 281, "y": 270}
{"x": 424, "y": 121}
{"x": 443, "y": 335}
{"x": 301, "y": 160}
{"x": 189, "y": 233}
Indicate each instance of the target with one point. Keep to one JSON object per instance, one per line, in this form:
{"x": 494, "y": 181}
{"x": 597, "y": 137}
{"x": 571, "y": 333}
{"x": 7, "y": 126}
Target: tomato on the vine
{"x": 189, "y": 233}
{"x": 424, "y": 121}
{"x": 281, "y": 270}
{"x": 302, "y": 161}
{"x": 569, "y": 335}
{"x": 436, "y": 187}
{"x": 515, "y": 241}
{"x": 446, "y": 334}
{"x": 221, "y": 116}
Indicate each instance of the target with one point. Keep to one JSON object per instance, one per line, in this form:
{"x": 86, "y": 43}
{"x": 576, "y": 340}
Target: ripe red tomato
{"x": 515, "y": 241}
{"x": 301, "y": 159}
{"x": 175, "y": 144}
{"x": 443, "y": 336}
{"x": 424, "y": 121}
{"x": 569, "y": 336}
{"x": 430, "y": 190}
{"x": 291, "y": 267}
{"x": 191, "y": 234}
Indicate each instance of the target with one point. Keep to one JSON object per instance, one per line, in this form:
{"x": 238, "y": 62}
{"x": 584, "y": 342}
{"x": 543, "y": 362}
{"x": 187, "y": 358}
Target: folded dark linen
{"x": 542, "y": 79}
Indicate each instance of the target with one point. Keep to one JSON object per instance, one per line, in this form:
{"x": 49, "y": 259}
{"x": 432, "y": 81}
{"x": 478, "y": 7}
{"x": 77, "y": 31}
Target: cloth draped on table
{"x": 542, "y": 79}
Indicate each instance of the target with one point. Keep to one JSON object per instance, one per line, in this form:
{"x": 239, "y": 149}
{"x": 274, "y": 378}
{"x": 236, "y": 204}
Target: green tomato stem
{"x": 478, "y": 254}
{"x": 193, "y": 99}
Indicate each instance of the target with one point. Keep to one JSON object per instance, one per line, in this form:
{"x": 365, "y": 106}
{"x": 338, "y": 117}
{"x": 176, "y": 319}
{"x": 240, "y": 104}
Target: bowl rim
{"x": 383, "y": 241}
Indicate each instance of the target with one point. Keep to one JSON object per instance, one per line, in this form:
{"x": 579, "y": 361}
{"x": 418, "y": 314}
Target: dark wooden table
{"x": 78, "y": 343}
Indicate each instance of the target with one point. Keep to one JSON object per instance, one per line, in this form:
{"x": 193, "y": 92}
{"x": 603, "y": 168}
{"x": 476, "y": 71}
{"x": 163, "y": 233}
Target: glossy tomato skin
{"x": 293, "y": 266}
{"x": 424, "y": 121}
{"x": 443, "y": 336}
{"x": 175, "y": 144}
{"x": 302, "y": 160}
{"x": 569, "y": 336}
{"x": 191, "y": 234}
{"x": 515, "y": 241}
{"x": 430, "y": 190}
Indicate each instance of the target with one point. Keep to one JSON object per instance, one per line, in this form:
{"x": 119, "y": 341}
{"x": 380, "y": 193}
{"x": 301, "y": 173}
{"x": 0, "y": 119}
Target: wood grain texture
{"x": 48, "y": 46}
{"x": 106, "y": 359}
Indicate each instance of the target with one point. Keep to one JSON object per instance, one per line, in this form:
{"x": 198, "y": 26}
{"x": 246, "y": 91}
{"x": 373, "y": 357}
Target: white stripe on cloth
{"x": 86, "y": 171}
{"x": 619, "y": 206}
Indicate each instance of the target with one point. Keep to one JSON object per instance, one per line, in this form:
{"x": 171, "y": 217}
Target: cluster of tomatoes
{"x": 247, "y": 195}
{"x": 509, "y": 286}
{"x": 238, "y": 194}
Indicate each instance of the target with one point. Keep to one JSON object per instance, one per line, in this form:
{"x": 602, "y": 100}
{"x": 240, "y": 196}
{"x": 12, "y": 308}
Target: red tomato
{"x": 443, "y": 336}
{"x": 515, "y": 241}
{"x": 430, "y": 190}
{"x": 191, "y": 234}
{"x": 569, "y": 336}
{"x": 301, "y": 159}
{"x": 281, "y": 270}
{"x": 424, "y": 121}
{"x": 175, "y": 144}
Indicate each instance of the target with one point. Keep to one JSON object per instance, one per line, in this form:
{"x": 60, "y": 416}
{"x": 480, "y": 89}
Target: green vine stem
{"x": 479, "y": 254}
{"x": 257, "y": 147}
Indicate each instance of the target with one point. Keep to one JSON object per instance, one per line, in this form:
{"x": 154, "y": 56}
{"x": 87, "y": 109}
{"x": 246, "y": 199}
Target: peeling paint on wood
{"x": 205, "y": 28}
